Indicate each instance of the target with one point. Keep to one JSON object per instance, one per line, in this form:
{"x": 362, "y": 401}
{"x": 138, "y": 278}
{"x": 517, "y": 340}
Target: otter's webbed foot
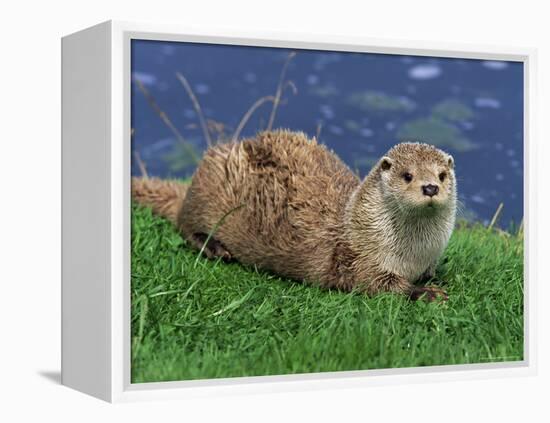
{"x": 212, "y": 249}
{"x": 427, "y": 293}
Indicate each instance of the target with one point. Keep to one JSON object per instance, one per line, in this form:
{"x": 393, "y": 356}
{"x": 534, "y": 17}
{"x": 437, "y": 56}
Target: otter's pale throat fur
{"x": 297, "y": 210}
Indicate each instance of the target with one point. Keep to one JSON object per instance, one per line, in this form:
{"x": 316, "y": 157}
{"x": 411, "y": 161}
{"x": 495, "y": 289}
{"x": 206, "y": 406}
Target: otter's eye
{"x": 407, "y": 177}
{"x": 442, "y": 176}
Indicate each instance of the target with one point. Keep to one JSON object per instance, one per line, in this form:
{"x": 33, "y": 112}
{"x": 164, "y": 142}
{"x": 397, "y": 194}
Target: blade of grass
{"x": 234, "y": 304}
{"x": 143, "y": 308}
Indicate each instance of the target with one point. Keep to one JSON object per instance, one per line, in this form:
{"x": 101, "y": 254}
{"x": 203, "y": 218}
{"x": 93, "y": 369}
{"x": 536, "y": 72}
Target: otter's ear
{"x": 385, "y": 163}
{"x": 451, "y": 161}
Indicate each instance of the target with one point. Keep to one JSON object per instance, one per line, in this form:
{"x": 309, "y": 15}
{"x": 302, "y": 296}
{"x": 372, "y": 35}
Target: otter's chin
{"x": 428, "y": 207}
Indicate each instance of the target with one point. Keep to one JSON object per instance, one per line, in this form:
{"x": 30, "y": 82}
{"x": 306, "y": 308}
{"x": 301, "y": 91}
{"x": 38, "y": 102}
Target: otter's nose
{"x": 430, "y": 190}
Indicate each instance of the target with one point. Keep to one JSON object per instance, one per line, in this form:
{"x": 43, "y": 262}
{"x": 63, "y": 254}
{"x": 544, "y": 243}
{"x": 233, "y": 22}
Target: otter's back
{"x": 286, "y": 196}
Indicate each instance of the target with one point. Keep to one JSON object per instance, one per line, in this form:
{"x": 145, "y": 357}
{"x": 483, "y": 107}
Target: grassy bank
{"x": 196, "y": 319}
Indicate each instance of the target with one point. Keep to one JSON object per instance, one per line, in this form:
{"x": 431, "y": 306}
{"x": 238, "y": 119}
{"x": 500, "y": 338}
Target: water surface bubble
{"x": 336, "y": 130}
{"x": 477, "y": 198}
{"x": 189, "y": 113}
{"x": 495, "y": 64}
{"x": 487, "y": 103}
{"x": 366, "y": 132}
{"x": 145, "y": 78}
{"x": 168, "y": 50}
{"x": 250, "y": 77}
{"x": 424, "y": 71}
{"x": 202, "y": 88}
{"x": 312, "y": 79}
{"x": 326, "y": 111}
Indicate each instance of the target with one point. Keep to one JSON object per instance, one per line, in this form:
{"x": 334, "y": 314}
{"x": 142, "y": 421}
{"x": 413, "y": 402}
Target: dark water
{"x": 362, "y": 104}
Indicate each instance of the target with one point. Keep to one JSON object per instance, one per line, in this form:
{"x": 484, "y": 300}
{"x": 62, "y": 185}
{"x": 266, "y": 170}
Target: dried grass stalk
{"x": 197, "y": 107}
{"x": 496, "y": 216}
{"x": 141, "y": 165}
{"x": 167, "y": 121}
{"x": 248, "y": 114}
{"x": 280, "y": 88}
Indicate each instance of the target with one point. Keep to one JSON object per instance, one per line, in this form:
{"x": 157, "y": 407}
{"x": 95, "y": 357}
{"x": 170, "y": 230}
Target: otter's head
{"x": 418, "y": 178}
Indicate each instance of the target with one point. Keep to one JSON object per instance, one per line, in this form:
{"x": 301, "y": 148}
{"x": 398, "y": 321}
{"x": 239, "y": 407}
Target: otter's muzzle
{"x": 430, "y": 190}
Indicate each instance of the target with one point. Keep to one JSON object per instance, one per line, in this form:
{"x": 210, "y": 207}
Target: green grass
{"x": 197, "y": 319}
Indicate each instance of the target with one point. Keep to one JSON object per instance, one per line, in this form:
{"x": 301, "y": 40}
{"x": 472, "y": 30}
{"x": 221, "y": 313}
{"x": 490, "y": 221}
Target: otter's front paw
{"x": 428, "y": 293}
{"x": 211, "y": 247}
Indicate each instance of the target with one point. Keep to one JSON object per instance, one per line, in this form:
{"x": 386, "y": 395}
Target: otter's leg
{"x": 390, "y": 282}
{"x": 213, "y": 247}
{"x": 428, "y": 274}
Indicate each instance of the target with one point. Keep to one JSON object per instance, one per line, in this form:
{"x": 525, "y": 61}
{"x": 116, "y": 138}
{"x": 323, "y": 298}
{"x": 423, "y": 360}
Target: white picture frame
{"x": 96, "y": 213}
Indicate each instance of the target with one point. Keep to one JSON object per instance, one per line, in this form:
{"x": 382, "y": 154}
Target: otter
{"x": 285, "y": 203}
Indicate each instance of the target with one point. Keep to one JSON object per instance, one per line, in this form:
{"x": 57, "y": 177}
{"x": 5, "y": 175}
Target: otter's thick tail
{"x": 165, "y": 197}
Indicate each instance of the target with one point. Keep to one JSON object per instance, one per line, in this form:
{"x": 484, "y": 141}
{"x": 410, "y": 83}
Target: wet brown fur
{"x": 294, "y": 208}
